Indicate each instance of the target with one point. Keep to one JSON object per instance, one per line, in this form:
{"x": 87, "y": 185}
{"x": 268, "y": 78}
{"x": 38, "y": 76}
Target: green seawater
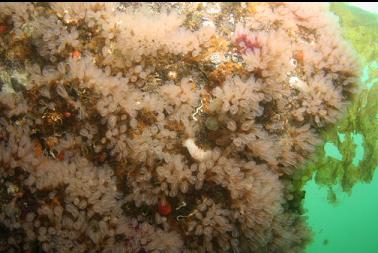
{"x": 341, "y": 183}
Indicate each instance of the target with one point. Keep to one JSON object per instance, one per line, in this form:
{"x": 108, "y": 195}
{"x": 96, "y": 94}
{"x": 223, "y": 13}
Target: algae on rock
{"x": 361, "y": 120}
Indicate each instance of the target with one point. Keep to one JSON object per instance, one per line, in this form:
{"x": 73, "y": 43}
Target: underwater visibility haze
{"x": 188, "y": 128}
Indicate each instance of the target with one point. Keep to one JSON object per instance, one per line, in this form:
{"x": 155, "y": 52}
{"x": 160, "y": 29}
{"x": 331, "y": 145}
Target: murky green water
{"x": 348, "y": 222}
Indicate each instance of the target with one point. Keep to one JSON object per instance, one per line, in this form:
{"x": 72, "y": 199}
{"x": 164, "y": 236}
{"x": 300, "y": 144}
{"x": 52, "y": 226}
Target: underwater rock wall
{"x": 164, "y": 127}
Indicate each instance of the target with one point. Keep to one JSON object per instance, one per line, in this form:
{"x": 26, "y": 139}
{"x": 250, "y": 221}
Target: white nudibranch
{"x": 196, "y": 152}
{"x": 297, "y": 83}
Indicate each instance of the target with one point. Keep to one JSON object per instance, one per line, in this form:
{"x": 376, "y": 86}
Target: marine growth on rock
{"x": 163, "y": 127}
